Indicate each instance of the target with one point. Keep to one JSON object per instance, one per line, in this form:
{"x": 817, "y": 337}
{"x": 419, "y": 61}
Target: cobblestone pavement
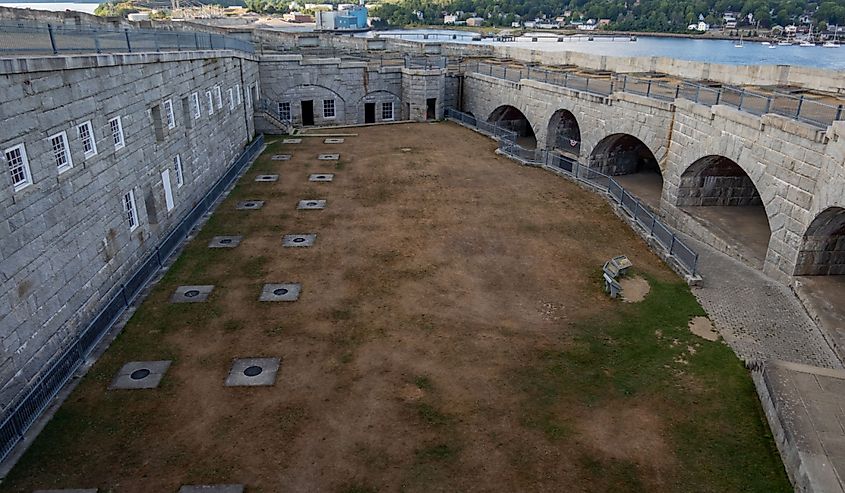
{"x": 758, "y": 317}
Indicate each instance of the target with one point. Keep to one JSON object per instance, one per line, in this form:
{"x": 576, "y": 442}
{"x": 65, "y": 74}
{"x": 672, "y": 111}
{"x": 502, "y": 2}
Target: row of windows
{"x": 18, "y": 161}
{"x": 329, "y": 110}
{"x": 214, "y": 98}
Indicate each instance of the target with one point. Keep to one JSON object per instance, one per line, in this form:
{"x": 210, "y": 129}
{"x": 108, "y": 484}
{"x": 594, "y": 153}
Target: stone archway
{"x": 632, "y": 164}
{"x": 822, "y": 250}
{"x": 564, "y": 134}
{"x": 511, "y": 118}
{"x": 720, "y": 195}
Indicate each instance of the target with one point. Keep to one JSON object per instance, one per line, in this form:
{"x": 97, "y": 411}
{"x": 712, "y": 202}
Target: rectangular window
{"x": 61, "y": 153}
{"x": 284, "y": 111}
{"x": 168, "y": 114}
{"x": 18, "y": 166}
{"x": 210, "y": 102}
{"x": 218, "y": 95}
{"x": 328, "y": 108}
{"x": 86, "y": 135}
{"x": 130, "y": 210}
{"x": 231, "y": 98}
{"x": 387, "y": 111}
{"x": 168, "y": 191}
{"x": 238, "y": 93}
{"x": 195, "y": 99}
{"x": 116, "y": 127}
{"x": 249, "y": 96}
{"x": 177, "y": 170}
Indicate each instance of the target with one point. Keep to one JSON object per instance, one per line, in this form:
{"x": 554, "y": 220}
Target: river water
{"x": 88, "y": 8}
{"x": 704, "y": 50}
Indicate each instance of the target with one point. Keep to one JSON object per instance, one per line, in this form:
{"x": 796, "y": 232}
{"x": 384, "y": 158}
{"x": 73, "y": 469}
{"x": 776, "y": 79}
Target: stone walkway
{"x": 758, "y": 317}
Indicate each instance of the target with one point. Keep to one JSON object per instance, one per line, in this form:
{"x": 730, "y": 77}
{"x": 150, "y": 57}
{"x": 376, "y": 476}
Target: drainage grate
{"x": 251, "y": 372}
{"x": 328, "y": 157}
{"x": 191, "y": 294}
{"x": 225, "y": 241}
{"x": 299, "y": 240}
{"x": 267, "y": 178}
{"x": 140, "y": 375}
{"x": 322, "y": 177}
{"x": 280, "y": 292}
{"x": 249, "y": 205}
{"x": 312, "y": 204}
{"x": 280, "y": 157}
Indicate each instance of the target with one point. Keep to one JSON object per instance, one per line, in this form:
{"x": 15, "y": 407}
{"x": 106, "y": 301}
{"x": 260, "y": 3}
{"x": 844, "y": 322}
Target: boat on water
{"x": 766, "y": 43}
{"x": 808, "y": 41}
{"x": 785, "y": 42}
{"x": 739, "y": 44}
{"x": 832, "y": 43}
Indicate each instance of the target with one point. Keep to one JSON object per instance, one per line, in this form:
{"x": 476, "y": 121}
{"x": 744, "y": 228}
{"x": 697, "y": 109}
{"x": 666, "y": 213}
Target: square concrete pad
{"x": 333, "y": 140}
{"x": 225, "y": 241}
{"x": 140, "y": 375}
{"x": 191, "y": 294}
{"x": 280, "y": 292}
{"x": 311, "y": 204}
{"x": 252, "y": 372}
{"x": 92, "y": 490}
{"x": 321, "y": 177}
{"x": 291, "y": 141}
{"x": 328, "y": 157}
{"x": 267, "y": 178}
{"x": 299, "y": 240}
{"x": 249, "y": 205}
{"x": 280, "y": 157}
{"x": 212, "y": 488}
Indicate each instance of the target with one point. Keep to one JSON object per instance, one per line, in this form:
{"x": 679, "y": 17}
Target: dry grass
{"x": 451, "y": 336}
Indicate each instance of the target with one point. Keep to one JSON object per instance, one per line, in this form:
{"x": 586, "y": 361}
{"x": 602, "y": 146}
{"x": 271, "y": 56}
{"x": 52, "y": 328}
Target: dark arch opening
{"x": 823, "y": 249}
{"x": 632, "y": 164}
{"x": 564, "y": 134}
{"x": 512, "y": 119}
{"x": 719, "y": 194}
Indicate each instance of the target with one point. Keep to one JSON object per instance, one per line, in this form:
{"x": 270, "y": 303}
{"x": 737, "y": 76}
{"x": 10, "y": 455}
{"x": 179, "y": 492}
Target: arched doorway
{"x": 508, "y": 117}
{"x": 632, "y": 164}
{"x": 719, "y": 194}
{"x": 823, "y": 248}
{"x": 564, "y": 134}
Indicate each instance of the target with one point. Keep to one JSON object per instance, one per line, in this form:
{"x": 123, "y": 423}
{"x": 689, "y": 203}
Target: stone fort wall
{"x": 66, "y": 237}
{"x": 795, "y": 170}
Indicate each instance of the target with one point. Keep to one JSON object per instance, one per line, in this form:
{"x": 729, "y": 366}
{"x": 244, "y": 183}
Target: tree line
{"x": 631, "y": 15}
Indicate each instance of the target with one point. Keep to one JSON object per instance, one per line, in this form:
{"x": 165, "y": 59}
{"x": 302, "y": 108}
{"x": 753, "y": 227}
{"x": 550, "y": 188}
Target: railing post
{"x": 506, "y": 72}
{"x": 612, "y": 81}
{"x": 697, "y": 92}
{"x": 178, "y": 42}
{"x": 672, "y": 245}
{"x": 741, "y": 97}
{"x": 211, "y": 41}
{"x": 768, "y": 104}
{"x": 718, "y": 96}
{"x": 800, "y": 104}
{"x": 677, "y": 90}
{"x": 624, "y": 82}
{"x": 648, "y": 89}
{"x": 52, "y": 39}
{"x": 155, "y": 40}
{"x": 196, "y": 41}
{"x": 566, "y": 79}
{"x": 587, "y": 85}
{"x": 128, "y": 44}
{"x": 838, "y": 113}
{"x": 96, "y": 41}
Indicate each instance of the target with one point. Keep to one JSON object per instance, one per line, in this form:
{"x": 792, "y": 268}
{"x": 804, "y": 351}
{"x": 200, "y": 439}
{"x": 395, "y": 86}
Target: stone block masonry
{"x": 142, "y": 137}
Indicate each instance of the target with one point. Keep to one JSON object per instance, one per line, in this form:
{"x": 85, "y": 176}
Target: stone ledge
{"x": 644, "y": 101}
{"x": 738, "y": 116}
{"x": 21, "y": 65}
{"x": 795, "y": 127}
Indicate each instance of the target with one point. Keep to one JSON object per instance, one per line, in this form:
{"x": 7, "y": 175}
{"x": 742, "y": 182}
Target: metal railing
{"x": 21, "y": 415}
{"x": 488, "y": 129}
{"x": 644, "y": 218}
{"x": 24, "y": 39}
{"x": 801, "y": 107}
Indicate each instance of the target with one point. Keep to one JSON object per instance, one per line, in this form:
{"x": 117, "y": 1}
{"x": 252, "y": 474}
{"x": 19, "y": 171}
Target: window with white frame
{"x": 248, "y": 96}
{"x": 130, "y": 210}
{"x": 231, "y": 98}
{"x": 210, "y": 99}
{"x": 61, "y": 152}
{"x": 168, "y": 114}
{"x": 284, "y": 111}
{"x": 218, "y": 95}
{"x": 116, "y": 127}
{"x": 178, "y": 172}
{"x": 86, "y": 135}
{"x": 328, "y": 108}
{"x": 387, "y": 111}
{"x": 18, "y": 166}
{"x": 238, "y": 93}
{"x": 195, "y": 100}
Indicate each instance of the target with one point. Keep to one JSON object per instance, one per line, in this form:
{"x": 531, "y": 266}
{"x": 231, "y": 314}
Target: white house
{"x": 450, "y": 19}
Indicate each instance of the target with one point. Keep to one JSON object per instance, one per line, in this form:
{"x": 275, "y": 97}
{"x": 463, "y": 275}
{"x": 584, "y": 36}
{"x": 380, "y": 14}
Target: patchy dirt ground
{"x": 418, "y": 357}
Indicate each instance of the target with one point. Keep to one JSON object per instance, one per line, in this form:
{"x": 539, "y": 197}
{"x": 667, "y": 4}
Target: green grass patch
{"x": 643, "y": 354}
